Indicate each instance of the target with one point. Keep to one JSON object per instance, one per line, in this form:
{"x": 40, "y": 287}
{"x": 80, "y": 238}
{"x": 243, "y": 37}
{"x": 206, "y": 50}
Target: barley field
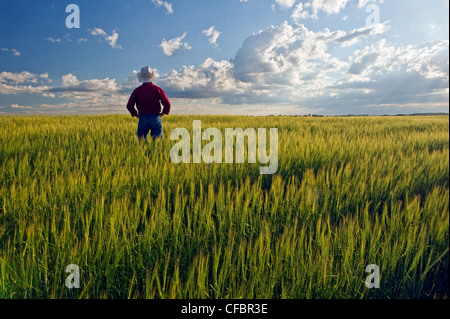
{"x": 349, "y": 192}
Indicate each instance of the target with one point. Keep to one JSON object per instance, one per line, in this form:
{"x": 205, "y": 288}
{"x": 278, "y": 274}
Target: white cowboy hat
{"x": 146, "y": 74}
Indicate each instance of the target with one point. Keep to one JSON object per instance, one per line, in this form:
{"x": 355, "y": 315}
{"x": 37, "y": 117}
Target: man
{"x": 148, "y": 99}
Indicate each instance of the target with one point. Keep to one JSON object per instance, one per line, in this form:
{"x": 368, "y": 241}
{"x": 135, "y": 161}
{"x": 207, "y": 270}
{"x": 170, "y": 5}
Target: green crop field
{"x": 349, "y": 192}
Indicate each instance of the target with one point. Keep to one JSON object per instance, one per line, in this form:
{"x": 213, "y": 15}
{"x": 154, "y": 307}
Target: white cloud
{"x": 110, "y": 39}
{"x": 90, "y": 92}
{"x": 71, "y": 84}
{"x": 285, "y": 68}
{"x": 363, "y": 32}
{"x": 210, "y": 79}
{"x": 62, "y": 108}
{"x": 294, "y": 55}
{"x": 285, "y": 4}
{"x": 328, "y": 6}
{"x": 363, "y": 3}
{"x": 284, "y": 59}
{"x": 52, "y": 40}
{"x": 170, "y": 46}
{"x": 69, "y": 80}
{"x": 286, "y": 55}
{"x": 430, "y": 60}
{"x": 289, "y": 64}
{"x": 165, "y": 4}
{"x": 212, "y": 34}
{"x": 23, "y": 83}
{"x": 93, "y": 94}
{"x": 22, "y": 77}
{"x": 312, "y": 8}
{"x": 15, "y": 52}
{"x": 98, "y": 31}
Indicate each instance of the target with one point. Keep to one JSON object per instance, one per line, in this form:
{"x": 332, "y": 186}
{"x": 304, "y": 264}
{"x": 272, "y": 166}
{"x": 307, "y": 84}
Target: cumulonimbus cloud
{"x": 291, "y": 64}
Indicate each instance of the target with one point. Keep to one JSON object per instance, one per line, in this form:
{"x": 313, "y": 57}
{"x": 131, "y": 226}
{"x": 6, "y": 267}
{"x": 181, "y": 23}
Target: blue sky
{"x": 255, "y": 57}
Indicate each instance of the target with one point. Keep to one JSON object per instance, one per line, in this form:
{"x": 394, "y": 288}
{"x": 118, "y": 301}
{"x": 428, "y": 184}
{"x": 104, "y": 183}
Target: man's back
{"x": 148, "y": 99}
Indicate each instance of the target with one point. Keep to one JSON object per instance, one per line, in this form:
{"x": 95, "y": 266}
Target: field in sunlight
{"x": 348, "y": 192}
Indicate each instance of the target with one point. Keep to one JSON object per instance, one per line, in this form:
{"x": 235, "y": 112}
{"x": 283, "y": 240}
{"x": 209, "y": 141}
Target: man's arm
{"x": 165, "y": 102}
{"x": 131, "y": 103}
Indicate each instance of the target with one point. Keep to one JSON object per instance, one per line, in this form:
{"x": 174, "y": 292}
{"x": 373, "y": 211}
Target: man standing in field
{"x": 148, "y": 99}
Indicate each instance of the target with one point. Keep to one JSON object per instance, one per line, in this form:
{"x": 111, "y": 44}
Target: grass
{"x": 349, "y": 192}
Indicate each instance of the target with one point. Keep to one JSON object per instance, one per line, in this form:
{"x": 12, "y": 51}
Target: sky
{"x": 243, "y": 57}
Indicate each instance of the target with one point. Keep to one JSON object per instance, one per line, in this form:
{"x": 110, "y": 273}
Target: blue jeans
{"x": 149, "y": 122}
